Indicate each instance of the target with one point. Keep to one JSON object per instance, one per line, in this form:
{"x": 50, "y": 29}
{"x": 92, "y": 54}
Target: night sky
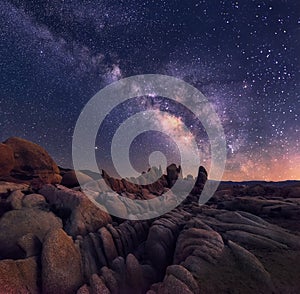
{"x": 242, "y": 55}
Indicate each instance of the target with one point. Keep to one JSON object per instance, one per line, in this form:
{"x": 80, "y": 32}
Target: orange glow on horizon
{"x": 267, "y": 170}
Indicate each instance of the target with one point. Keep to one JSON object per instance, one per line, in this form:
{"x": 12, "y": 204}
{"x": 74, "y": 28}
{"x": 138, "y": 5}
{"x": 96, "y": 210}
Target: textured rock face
{"x": 15, "y": 199}
{"x": 177, "y": 280}
{"x": 34, "y": 200}
{"x": 79, "y": 213}
{"x": 61, "y": 264}
{"x": 31, "y": 161}
{"x": 18, "y": 200}
{"x": 206, "y": 244}
{"x": 98, "y": 286}
{"x": 249, "y": 263}
{"x": 17, "y": 223}
{"x": 19, "y": 276}
{"x": 288, "y": 209}
{"x": 7, "y": 187}
{"x": 7, "y": 160}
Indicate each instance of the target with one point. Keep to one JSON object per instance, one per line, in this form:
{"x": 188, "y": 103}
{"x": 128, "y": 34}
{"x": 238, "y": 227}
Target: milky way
{"x": 242, "y": 55}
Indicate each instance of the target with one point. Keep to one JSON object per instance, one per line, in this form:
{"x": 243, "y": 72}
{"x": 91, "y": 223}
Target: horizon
{"x": 194, "y": 176}
{"x": 185, "y": 174}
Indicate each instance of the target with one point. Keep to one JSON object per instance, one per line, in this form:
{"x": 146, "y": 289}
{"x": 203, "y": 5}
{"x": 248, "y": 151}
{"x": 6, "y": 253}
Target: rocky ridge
{"x": 53, "y": 239}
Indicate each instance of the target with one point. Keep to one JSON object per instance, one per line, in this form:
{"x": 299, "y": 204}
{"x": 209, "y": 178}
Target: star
{"x": 243, "y": 56}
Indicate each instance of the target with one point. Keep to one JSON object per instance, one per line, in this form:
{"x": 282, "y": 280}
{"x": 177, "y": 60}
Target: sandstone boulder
{"x": 84, "y": 290}
{"x": 19, "y": 276}
{"x": 98, "y": 286}
{"x": 108, "y": 244}
{"x": 80, "y": 215}
{"x": 61, "y": 264}
{"x": 17, "y": 223}
{"x": 134, "y": 273}
{"x": 15, "y": 199}
{"x": 202, "y": 243}
{"x": 32, "y": 161}
{"x": 34, "y": 200}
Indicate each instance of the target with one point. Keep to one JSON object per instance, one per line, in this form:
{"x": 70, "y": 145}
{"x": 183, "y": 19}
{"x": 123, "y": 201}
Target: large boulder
{"x": 61, "y": 264}
{"x": 15, "y": 199}
{"x": 79, "y": 213}
{"x": 34, "y": 200}
{"x": 31, "y": 161}
{"x": 7, "y": 160}
{"x": 17, "y": 223}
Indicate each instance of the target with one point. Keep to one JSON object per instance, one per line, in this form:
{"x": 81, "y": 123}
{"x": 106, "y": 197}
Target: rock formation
{"x": 23, "y": 160}
{"x": 53, "y": 239}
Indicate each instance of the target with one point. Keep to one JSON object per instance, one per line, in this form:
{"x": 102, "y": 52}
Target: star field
{"x": 242, "y": 55}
